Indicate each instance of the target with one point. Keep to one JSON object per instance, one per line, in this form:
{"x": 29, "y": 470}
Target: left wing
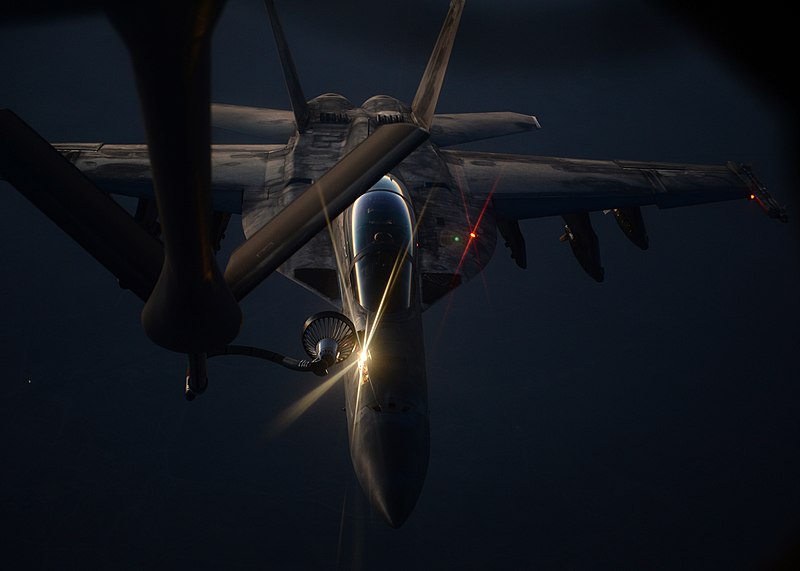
{"x": 125, "y": 169}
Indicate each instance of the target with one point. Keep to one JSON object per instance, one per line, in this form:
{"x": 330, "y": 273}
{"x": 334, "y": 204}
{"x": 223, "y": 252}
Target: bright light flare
{"x": 363, "y": 356}
{"x": 473, "y": 235}
{"x": 296, "y": 410}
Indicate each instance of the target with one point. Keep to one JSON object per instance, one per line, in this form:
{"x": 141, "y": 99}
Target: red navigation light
{"x": 473, "y": 235}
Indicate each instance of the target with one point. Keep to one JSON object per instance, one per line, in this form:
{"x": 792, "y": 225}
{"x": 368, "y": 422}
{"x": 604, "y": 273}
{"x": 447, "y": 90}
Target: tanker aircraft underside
{"x": 364, "y": 205}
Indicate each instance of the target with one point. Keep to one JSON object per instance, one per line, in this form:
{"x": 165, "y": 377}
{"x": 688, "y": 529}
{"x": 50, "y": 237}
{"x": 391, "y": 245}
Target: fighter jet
{"x": 368, "y": 207}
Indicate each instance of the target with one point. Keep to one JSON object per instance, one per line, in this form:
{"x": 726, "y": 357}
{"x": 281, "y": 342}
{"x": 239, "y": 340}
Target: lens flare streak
{"x": 473, "y": 233}
{"x": 296, "y": 410}
{"x": 398, "y": 263}
{"x": 337, "y": 254}
{"x": 471, "y": 236}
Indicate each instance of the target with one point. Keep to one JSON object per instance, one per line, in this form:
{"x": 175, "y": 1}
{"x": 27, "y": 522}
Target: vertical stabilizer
{"x": 424, "y": 104}
{"x": 299, "y": 106}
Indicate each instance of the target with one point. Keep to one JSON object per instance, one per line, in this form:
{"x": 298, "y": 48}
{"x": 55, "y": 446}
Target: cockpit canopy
{"x": 383, "y": 248}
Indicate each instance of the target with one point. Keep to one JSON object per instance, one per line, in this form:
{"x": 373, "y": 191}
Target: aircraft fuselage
{"x": 422, "y": 229}
{"x": 386, "y": 392}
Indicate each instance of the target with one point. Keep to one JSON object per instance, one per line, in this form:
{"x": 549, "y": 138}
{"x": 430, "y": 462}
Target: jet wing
{"x": 530, "y": 186}
{"x": 275, "y": 125}
{"x": 521, "y": 187}
{"x": 125, "y": 169}
{"x": 447, "y": 129}
{"x": 455, "y": 128}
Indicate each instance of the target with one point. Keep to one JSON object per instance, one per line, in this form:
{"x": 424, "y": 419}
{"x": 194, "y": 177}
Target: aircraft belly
{"x": 259, "y": 205}
{"x": 290, "y": 173}
{"x": 239, "y": 171}
{"x": 313, "y": 266}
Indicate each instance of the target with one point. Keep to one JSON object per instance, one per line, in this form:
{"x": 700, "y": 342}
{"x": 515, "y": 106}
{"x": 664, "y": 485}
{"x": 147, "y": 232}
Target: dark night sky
{"x": 649, "y": 422}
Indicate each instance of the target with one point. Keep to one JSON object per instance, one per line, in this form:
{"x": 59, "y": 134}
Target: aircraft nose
{"x": 394, "y": 504}
{"x": 392, "y": 461}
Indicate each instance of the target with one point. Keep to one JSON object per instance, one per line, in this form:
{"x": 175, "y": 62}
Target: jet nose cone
{"x": 392, "y": 462}
{"x": 395, "y": 499}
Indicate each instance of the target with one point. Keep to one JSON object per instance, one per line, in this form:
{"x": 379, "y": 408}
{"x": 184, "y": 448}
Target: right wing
{"x": 530, "y": 187}
{"x": 521, "y": 187}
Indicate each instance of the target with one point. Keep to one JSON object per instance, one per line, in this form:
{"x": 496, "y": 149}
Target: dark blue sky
{"x": 646, "y": 422}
